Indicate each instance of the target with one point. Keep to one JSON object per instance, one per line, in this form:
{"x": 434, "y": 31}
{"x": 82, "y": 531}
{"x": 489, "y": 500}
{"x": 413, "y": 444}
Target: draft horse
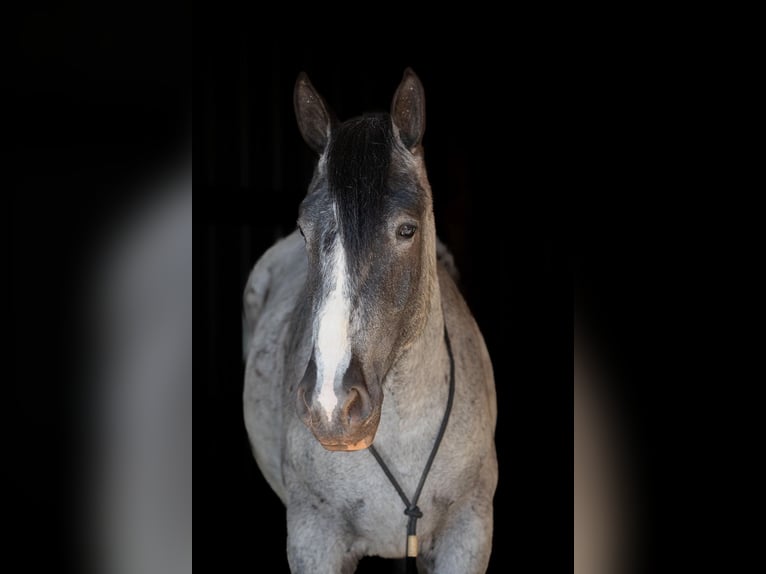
{"x": 369, "y": 397}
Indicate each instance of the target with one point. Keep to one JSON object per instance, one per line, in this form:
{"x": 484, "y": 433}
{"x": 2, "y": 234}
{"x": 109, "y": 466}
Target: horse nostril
{"x": 351, "y": 408}
{"x": 301, "y": 403}
{"x": 355, "y": 409}
{"x": 305, "y": 388}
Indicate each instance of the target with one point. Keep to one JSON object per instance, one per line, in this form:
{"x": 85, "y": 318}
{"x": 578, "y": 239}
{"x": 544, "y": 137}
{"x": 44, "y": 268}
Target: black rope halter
{"x": 411, "y": 508}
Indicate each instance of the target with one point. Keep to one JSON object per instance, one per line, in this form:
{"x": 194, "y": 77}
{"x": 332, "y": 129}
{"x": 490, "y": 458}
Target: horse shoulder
{"x": 273, "y": 280}
{"x": 472, "y": 356}
{"x": 270, "y": 296}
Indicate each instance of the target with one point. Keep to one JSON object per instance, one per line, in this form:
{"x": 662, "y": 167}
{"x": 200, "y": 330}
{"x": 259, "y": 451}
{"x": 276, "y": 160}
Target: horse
{"x": 367, "y": 379}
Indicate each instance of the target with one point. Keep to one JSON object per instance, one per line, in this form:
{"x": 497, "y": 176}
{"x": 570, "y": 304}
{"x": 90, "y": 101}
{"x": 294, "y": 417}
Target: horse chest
{"x": 351, "y": 490}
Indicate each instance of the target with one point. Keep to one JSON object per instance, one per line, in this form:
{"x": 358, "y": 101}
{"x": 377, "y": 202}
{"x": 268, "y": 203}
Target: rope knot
{"x": 413, "y": 512}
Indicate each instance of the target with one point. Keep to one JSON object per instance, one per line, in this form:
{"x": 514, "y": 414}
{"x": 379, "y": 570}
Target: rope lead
{"x": 411, "y": 508}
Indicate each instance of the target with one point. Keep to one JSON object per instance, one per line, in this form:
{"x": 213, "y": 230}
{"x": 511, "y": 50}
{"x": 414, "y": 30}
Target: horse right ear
{"x": 314, "y": 119}
{"x": 408, "y": 110}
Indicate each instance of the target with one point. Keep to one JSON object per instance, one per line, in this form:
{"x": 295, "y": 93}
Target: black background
{"x": 101, "y": 109}
{"x": 552, "y": 159}
{"x": 502, "y": 180}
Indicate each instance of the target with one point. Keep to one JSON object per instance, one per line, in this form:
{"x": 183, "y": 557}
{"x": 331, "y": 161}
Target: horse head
{"x": 367, "y": 221}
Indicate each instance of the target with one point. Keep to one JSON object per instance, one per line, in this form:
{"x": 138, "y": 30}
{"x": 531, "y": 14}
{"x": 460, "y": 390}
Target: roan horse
{"x": 352, "y": 307}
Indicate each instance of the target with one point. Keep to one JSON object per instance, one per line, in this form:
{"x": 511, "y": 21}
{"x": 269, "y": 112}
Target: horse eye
{"x": 406, "y": 230}
{"x": 300, "y": 229}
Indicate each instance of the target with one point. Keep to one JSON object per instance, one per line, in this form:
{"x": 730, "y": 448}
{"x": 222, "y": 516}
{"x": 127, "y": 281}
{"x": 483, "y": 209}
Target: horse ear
{"x": 408, "y": 109}
{"x": 314, "y": 118}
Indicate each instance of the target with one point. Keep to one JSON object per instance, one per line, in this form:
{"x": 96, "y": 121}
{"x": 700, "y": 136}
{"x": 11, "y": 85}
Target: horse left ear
{"x": 408, "y": 110}
{"x": 313, "y": 115}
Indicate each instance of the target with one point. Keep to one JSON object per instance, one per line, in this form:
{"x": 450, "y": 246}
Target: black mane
{"x": 358, "y": 165}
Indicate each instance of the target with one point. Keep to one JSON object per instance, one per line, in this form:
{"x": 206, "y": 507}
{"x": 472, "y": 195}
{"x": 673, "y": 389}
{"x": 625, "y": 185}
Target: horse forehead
{"x": 359, "y": 154}
{"x": 366, "y": 178}
{"x": 358, "y": 164}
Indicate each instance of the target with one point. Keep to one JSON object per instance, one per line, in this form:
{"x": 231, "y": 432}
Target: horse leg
{"x": 464, "y": 544}
{"x": 317, "y": 544}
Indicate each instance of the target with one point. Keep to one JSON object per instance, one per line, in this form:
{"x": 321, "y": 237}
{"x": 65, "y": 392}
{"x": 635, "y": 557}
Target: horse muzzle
{"x": 350, "y": 439}
{"x": 348, "y": 419}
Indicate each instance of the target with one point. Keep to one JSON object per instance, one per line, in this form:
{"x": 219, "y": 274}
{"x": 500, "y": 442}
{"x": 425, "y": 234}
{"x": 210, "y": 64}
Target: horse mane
{"x": 358, "y": 162}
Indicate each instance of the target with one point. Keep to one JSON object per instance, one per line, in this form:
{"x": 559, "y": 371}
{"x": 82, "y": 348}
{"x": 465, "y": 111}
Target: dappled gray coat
{"x": 390, "y": 296}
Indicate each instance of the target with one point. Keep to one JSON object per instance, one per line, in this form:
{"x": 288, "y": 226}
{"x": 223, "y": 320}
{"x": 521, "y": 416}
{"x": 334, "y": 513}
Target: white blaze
{"x": 332, "y": 350}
